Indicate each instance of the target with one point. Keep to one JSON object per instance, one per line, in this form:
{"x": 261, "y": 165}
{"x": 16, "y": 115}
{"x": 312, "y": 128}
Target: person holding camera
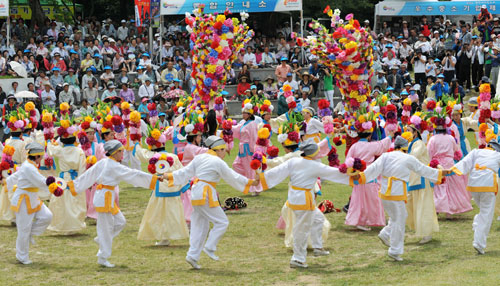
{"x": 419, "y": 61}
{"x": 465, "y": 55}
{"x": 449, "y": 62}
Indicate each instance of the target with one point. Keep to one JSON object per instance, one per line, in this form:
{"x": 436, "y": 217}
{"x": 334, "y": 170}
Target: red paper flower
{"x": 273, "y": 151}
{"x": 4, "y": 166}
{"x": 255, "y": 164}
{"x": 434, "y": 163}
{"x": 343, "y": 168}
{"x": 431, "y": 105}
{"x": 85, "y": 125}
{"x": 170, "y": 161}
{"x": 152, "y": 168}
{"x": 292, "y": 105}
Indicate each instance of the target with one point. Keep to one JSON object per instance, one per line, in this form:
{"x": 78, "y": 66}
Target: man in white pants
{"x": 108, "y": 173}
{"x": 481, "y": 166}
{"x": 304, "y": 173}
{"x": 209, "y": 168}
{"x": 32, "y": 216}
{"x": 395, "y": 168}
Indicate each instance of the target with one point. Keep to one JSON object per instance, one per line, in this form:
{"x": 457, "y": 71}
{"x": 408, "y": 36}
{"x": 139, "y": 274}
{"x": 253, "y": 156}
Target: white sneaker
{"x": 384, "y": 240}
{"x": 478, "y": 248}
{"x": 425, "y": 239}
{"x": 321, "y": 252}
{"x": 164, "y": 242}
{"x": 193, "y": 263}
{"x": 395, "y": 257}
{"x": 24, "y": 262}
{"x": 297, "y": 264}
{"x": 363, "y": 228}
{"x": 211, "y": 254}
{"x": 96, "y": 240}
{"x": 105, "y": 263}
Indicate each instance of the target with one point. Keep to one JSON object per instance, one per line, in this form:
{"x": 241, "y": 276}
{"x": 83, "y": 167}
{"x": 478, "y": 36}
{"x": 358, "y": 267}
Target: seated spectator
{"x": 256, "y": 82}
{"x": 143, "y": 107}
{"x": 109, "y": 93}
{"x": 146, "y": 90}
{"x": 394, "y": 79}
{"x": 249, "y": 58}
{"x": 56, "y": 78}
{"x": 270, "y": 88}
{"x": 146, "y": 60}
{"x": 162, "y": 121}
{"x": 291, "y": 82}
{"x": 66, "y": 96}
{"x": 167, "y": 75}
{"x": 122, "y": 77}
{"x": 99, "y": 64}
{"x": 282, "y": 71}
{"x": 118, "y": 63}
{"x": 90, "y": 93}
{"x": 244, "y": 72}
{"x": 108, "y": 76}
{"x": 381, "y": 80}
{"x": 127, "y": 94}
{"x": 87, "y": 62}
{"x": 306, "y": 85}
{"x": 304, "y": 101}
{"x": 268, "y": 58}
{"x": 74, "y": 84}
{"x": 58, "y": 62}
{"x": 242, "y": 87}
{"x": 48, "y": 96}
{"x": 151, "y": 74}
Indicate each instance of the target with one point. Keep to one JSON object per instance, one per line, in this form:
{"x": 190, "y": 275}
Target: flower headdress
{"x": 66, "y": 127}
{"x": 17, "y": 121}
{"x": 155, "y": 137}
{"x": 29, "y": 108}
{"x": 484, "y": 102}
{"x": 194, "y": 122}
{"x": 157, "y": 157}
{"x": 7, "y": 166}
{"x": 289, "y": 132}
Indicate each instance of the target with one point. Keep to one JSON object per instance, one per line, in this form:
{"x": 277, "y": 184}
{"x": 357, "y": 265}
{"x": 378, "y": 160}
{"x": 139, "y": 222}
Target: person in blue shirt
{"x": 314, "y": 70}
{"x": 440, "y": 87}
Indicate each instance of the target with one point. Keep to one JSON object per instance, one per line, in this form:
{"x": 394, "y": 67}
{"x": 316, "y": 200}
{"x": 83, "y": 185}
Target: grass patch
{"x": 252, "y": 252}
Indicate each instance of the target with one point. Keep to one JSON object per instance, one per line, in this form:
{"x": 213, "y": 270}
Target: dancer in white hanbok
{"x": 32, "y": 216}
{"x": 108, "y": 173}
{"x": 209, "y": 168}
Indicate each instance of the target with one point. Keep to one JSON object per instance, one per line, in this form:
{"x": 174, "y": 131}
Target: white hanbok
{"x": 32, "y": 216}
{"x": 482, "y": 166}
{"x": 303, "y": 174}
{"x": 393, "y": 171}
{"x": 108, "y": 173}
{"x": 209, "y": 170}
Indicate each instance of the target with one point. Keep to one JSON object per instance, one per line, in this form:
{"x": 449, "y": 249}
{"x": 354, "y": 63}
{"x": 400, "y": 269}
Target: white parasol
{"x": 19, "y": 69}
{"x": 25, "y": 94}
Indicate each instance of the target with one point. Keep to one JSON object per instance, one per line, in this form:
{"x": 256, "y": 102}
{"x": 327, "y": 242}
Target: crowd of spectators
{"x": 438, "y": 56}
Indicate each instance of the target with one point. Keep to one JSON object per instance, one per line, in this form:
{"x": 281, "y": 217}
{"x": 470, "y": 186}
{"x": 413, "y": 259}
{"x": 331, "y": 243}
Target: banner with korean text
{"x": 179, "y": 7}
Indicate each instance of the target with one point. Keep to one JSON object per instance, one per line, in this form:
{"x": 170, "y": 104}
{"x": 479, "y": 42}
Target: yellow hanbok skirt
{"x": 68, "y": 212}
{"x": 163, "y": 219}
{"x": 5, "y": 212}
{"x": 422, "y": 216}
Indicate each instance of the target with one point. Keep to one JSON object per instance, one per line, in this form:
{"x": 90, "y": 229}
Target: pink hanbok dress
{"x": 97, "y": 150}
{"x": 190, "y": 151}
{"x": 365, "y": 208}
{"x": 171, "y": 134}
{"x": 451, "y": 197}
{"x": 246, "y": 132}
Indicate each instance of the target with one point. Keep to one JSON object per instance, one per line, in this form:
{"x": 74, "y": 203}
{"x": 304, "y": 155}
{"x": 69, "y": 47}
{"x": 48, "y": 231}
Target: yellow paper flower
{"x": 29, "y": 106}
{"x": 125, "y": 105}
{"x": 64, "y": 106}
{"x": 155, "y": 134}
{"x": 408, "y": 136}
{"x": 65, "y": 123}
{"x": 407, "y": 101}
{"x": 263, "y": 133}
{"x": 47, "y": 117}
{"x": 163, "y": 157}
{"x": 135, "y": 116}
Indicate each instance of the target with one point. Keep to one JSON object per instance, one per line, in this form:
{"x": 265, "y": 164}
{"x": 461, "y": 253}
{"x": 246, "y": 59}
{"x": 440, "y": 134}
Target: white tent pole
{"x": 8, "y": 31}
{"x": 375, "y": 19}
{"x": 302, "y": 32}
{"x": 161, "y": 41}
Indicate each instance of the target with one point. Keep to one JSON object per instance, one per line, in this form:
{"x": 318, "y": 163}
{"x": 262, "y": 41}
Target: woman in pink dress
{"x": 365, "y": 207}
{"x": 246, "y": 132}
{"x": 451, "y": 197}
{"x": 97, "y": 150}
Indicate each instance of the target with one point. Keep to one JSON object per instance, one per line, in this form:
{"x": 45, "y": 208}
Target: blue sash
{"x": 72, "y": 173}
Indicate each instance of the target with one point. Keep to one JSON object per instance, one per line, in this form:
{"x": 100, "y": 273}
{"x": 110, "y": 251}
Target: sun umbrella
{"x": 26, "y": 94}
{"x": 19, "y": 69}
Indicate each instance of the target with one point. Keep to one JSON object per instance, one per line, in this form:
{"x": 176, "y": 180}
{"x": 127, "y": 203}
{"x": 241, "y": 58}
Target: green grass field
{"x": 253, "y": 253}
